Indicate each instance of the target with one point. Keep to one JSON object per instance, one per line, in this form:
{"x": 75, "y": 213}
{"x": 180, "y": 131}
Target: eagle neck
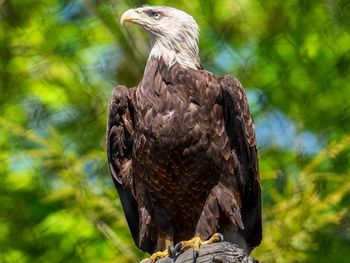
{"x": 185, "y": 53}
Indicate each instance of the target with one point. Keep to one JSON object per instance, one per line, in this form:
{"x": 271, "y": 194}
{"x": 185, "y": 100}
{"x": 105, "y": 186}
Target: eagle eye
{"x": 156, "y": 15}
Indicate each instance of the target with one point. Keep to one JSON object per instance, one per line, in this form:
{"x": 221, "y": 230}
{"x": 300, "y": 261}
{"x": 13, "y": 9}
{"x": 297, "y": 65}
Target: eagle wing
{"x": 240, "y": 130}
{"x": 119, "y": 151}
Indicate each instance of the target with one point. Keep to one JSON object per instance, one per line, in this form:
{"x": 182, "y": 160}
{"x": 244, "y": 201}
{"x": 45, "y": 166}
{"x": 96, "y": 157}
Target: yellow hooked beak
{"x": 131, "y": 16}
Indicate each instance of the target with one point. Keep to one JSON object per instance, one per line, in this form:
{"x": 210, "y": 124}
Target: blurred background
{"x": 59, "y": 61}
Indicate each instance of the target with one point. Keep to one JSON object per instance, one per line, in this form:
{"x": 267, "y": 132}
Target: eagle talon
{"x": 177, "y": 247}
{"x": 221, "y": 236}
{"x": 155, "y": 256}
{"x": 195, "y": 255}
{"x": 195, "y": 244}
{"x": 216, "y": 238}
{"x": 171, "y": 252}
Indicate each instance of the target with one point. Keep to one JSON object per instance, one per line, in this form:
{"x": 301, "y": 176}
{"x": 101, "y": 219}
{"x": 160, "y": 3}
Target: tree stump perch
{"x": 214, "y": 253}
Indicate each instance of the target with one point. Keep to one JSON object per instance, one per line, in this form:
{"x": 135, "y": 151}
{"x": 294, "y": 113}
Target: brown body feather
{"x": 183, "y": 156}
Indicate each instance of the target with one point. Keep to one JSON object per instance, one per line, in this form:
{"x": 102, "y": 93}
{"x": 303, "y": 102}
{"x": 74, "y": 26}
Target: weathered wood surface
{"x": 214, "y": 253}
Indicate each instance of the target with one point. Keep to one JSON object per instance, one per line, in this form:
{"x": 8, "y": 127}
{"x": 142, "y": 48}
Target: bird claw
{"x": 195, "y": 255}
{"x": 217, "y": 238}
{"x": 182, "y": 246}
{"x": 195, "y": 244}
{"x": 177, "y": 247}
{"x": 171, "y": 252}
{"x": 158, "y": 255}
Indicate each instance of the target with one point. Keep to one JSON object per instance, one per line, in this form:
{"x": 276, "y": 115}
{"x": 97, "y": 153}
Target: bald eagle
{"x": 181, "y": 145}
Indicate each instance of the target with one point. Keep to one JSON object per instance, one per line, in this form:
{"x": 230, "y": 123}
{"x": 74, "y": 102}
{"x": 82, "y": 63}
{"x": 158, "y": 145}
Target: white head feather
{"x": 173, "y": 34}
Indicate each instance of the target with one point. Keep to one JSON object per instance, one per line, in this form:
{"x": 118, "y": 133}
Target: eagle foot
{"x": 170, "y": 252}
{"x": 195, "y": 244}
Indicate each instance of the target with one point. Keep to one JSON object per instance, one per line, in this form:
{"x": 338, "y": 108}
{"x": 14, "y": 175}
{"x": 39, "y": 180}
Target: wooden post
{"x": 223, "y": 252}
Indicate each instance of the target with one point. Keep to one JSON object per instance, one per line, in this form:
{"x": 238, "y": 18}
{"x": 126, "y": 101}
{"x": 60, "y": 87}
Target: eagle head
{"x": 173, "y": 33}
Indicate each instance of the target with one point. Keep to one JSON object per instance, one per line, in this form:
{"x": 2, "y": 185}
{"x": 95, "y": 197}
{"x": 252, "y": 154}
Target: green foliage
{"x": 59, "y": 62}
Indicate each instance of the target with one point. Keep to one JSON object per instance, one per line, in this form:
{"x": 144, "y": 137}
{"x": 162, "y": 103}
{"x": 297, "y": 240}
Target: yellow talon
{"x": 217, "y": 237}
{"x": 155, "y": 256}
{"x": 196, "y": 242}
